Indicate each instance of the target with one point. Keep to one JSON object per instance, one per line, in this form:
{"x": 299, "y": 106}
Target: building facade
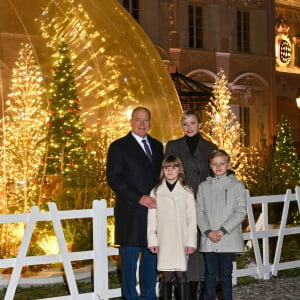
{"x": 197, "y": 38}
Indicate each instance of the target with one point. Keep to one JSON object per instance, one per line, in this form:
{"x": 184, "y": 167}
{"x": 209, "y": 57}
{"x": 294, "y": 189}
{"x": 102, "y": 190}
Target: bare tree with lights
{"x": 24, "y": 139}
{"x": 24, "y": 132}
{"x": 222, "y": 127}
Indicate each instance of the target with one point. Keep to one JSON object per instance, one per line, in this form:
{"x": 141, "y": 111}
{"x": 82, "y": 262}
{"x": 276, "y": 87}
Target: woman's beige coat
{"x": 172, "y": 226}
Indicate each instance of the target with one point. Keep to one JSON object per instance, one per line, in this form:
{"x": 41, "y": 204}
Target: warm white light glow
{"x": 298, "y": 99}
{"x": 222, "y": 127}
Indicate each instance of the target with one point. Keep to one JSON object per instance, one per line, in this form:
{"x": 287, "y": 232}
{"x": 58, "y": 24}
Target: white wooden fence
{"x": 100, "y": 252}
{"x": 264, "y": 268}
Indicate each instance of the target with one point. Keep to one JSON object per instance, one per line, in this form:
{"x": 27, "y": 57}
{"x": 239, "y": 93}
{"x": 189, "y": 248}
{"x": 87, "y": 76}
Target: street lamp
{"x": 298, "y": 98}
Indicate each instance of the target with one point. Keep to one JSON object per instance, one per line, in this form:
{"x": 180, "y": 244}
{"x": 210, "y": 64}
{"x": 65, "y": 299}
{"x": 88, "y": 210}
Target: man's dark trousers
{"x": 147, "y": 272}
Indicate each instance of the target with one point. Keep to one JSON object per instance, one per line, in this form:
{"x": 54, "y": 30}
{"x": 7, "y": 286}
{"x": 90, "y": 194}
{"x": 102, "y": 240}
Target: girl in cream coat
{"x": 172, "y": 226}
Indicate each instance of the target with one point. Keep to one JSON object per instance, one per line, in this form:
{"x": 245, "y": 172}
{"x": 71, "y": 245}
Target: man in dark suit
{"x": 133, "y": 168}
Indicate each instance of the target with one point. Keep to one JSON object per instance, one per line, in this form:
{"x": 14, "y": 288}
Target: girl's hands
{"x": 189, "y": 250}
{"x": 153, "y": 249}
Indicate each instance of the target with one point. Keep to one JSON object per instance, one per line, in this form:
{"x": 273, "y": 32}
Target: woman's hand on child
{"x": 153, "y": 249}
{"x": 189, "y": 250}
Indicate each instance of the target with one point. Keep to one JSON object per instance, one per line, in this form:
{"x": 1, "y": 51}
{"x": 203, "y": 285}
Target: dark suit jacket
{"x": 196, "y": 167}
{"x": 131, "y": 175}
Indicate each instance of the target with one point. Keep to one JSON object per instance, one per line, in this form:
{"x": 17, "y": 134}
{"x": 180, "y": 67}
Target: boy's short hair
{"x": 218, "y": 153}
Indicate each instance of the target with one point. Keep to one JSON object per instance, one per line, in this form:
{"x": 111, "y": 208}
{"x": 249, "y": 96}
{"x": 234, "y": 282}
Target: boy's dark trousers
{"x": 218, "y": 263}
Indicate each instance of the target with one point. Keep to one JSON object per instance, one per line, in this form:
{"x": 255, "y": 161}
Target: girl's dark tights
{"x": 180, "y": 276}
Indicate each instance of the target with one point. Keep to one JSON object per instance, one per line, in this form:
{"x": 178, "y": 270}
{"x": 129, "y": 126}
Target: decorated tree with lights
{"x": 23, "y": 137}
{"x": 285, "y": 162}
{"x": 222, "y": 127}
{"x": 24, "y": 132}
{"x": 284, "y": 172}
{"x": 66, "y": 151}
{"x": 63, "y": 176}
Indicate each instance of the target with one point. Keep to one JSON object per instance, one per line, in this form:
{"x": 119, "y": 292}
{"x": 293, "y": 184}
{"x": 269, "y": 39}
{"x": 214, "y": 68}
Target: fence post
{"x": 14, "y": 279}
{"x": 285, "y": 211}
{"x": 253, "y": 234}
{"x": 234, "y": 278}
{"x": 63, "y": 251}
{"x": 100, "y": 250}
{"x": 298, "y": 196}
{"x": 266, "y": 247}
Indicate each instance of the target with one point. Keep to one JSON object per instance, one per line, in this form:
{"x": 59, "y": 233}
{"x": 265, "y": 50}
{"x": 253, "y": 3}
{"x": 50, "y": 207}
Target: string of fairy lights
{"x": 65, "y": 126}
{"x": 24, "y": 142}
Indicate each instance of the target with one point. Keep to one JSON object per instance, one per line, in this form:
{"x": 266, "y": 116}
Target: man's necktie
{"x": 147, "y": 149}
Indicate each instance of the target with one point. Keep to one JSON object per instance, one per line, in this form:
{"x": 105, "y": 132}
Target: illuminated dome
{"x": 116, "y": 65}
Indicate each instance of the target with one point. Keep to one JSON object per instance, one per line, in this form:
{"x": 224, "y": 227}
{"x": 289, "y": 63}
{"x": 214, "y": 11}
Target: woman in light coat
{"x": 172, "y": 226}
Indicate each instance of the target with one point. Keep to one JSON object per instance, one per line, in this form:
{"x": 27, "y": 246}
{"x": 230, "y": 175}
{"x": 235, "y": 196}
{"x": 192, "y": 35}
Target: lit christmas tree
{"x": 65, "y": 161}
{"x": 102, "y": 71}
{"x": 24, "y": 133}
{"x": 222, "y": 127}
{"x": 285, "y": 164}
{"x": 66, "y": 153}
{"x": 24, "y": 139}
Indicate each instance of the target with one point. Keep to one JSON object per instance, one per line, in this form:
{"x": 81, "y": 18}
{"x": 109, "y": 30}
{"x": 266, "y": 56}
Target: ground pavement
{"x": 272, "y": 289}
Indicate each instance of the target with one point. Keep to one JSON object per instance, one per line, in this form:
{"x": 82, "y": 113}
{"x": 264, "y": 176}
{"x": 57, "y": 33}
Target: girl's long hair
{"x": 171, "y": 161}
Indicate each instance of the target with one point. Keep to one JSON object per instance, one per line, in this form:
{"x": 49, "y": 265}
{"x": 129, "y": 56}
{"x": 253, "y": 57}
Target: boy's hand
{"x": 189, "y": 250}
{"x": 153, "y": 249}
{"x": 220, "y": 233}
{"x": 214, "y": 236}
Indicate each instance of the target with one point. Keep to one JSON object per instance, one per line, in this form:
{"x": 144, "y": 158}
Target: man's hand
{"x": 189, "y": 250}
{"x": 153, "y": 249}
{"x": 148, "y": 201}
